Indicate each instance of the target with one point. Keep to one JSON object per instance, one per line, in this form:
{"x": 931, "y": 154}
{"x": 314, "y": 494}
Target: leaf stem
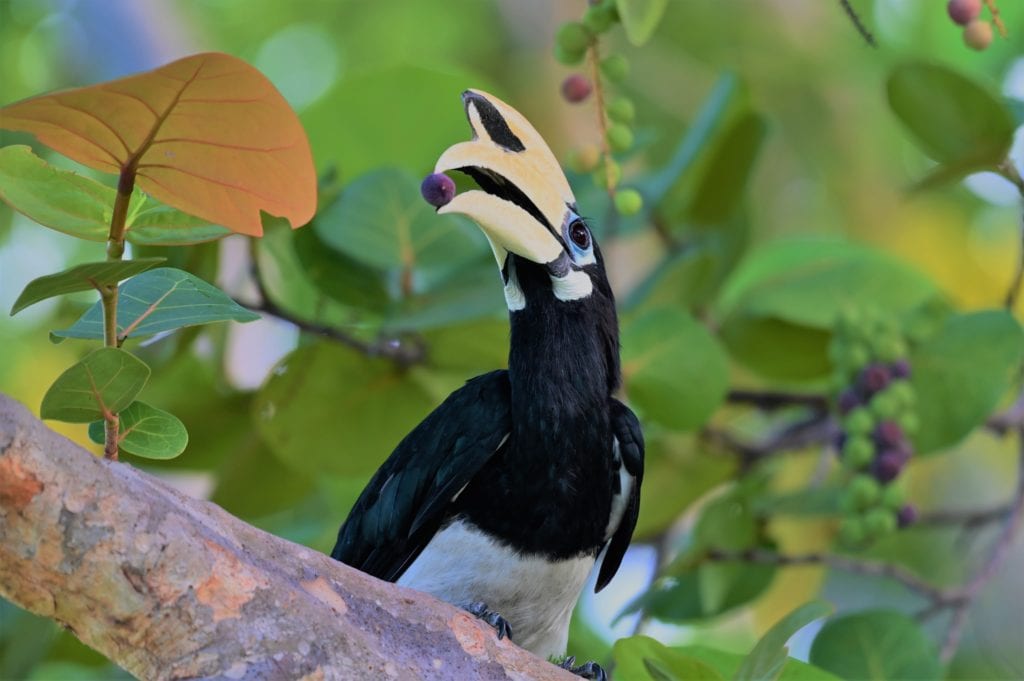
{"x": 108, "y": 293}
{"x": 594, "y": 60}
{"x": 1009, "y": 171}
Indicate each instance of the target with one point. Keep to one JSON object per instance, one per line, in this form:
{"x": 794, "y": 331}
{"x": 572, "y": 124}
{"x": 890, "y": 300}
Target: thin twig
{"x": 1000, "y": 25}
{"x": 594, "y": 59}
{"x": 1009, "y": 171}
{"x": 858, "y": 23}
{"x": 860, "y": 566}
{"x": 769, "y": 400}
{"x": 403, "y": 351}
{"x": 817, "y": 429}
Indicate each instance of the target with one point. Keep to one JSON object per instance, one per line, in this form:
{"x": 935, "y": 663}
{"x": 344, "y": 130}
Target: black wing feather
{"x": 408, "y": 498}
{"x": 626, "y": 428}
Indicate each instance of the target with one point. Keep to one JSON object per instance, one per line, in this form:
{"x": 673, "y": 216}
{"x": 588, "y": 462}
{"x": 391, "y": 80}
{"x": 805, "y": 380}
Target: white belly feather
{"x": 461, "y": 565}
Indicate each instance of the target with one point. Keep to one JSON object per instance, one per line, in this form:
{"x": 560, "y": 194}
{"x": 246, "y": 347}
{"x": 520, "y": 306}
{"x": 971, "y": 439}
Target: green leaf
{"x": 59, "y": 199}
{"x": 724, "y": 181}
{"x": 329, "y": 410}
{"x": 82, "y": 207}
{"x": 877, "y": 645}
{"x": 160, "y": 300}
{"x": 106, "y": 381}
{"x": 381, "y": 220}
{"x": 781, "y": 303}
{"x": 641, "y": 658}
{"x": 340, "y": 276}
{"x": 286, "y": 282}
{"x": 640, "y": 18}
{"x": 953, "y": 119}
{"x": 698, "y": 139}
{"x": 727, "y": 664}
{"x": 147, "y": 432}
{"x": 960, "y": 374}
{"x": 372, "y": 138}
{"x": 671, "y": 457}
{"x": 676, "y": 372}
{"x": 81, "y": 278}
{"x": 157, "y": 224}
{"x": 471, "y": 293}
{"x": 769, "y": 656}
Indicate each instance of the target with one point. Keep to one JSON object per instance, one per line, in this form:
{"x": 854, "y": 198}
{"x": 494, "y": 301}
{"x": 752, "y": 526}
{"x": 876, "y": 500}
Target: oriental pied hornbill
{"x": 505, "y": 496}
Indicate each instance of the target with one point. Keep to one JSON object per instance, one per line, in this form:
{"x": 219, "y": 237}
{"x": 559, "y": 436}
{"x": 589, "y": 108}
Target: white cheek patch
{"x": 573, "y": 286}
{"x": 514, "y": 297}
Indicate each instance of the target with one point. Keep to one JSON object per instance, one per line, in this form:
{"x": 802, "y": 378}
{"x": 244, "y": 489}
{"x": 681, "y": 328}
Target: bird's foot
{"x": 588, "y": 670}
{"x": 500, "y": 624}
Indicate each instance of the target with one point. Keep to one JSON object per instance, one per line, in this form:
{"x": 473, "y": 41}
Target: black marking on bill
{"x": 496, "y": 127}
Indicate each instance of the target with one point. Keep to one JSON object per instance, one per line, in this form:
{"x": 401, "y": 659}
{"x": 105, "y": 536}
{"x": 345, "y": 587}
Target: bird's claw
{"x": 500, "y": 624}
{"x": 588, "y": 670}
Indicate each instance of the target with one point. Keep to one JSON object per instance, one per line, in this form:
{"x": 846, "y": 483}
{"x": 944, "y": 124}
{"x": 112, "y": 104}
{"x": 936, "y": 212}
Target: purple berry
{"x": 575, "y": 88}
{"x": 841, "y": 438}
{"x": 887, "y": 466}
{"x": 438, "y": 189}
{"x": 889, "y": 434}
{"x": 875, "y": 378}
{"x": 906, "y": 515}
{"x": 900, "y": 369}
{"x": 848, "y": 401}
{"x": 963, "y": 11}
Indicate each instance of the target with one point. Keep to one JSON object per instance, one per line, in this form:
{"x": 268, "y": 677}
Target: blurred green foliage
{"x": 772, "y": 153}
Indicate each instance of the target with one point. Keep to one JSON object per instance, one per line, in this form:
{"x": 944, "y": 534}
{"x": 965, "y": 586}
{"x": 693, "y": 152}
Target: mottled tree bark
{"x": 170, "y": 587}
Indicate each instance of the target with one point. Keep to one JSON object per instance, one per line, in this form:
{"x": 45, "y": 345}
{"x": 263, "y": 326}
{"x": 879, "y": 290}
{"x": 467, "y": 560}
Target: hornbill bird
{"x": 502, "y": 499}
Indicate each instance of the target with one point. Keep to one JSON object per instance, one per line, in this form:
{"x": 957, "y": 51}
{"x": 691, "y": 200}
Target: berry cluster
{"x": 574, "y": 40}
{"x": 977, "y": 31}
{"x": 875, "y": 401}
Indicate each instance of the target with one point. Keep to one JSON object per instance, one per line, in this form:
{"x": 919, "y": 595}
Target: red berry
{"x": 889, "y": 434}
{"x": 875, "y": 378}
{"x": 963, "y": 11}
{"x": 906, "y": 515}
{"x": 438, "y": 189}
{"x": 887, "y": 466}
{"x": 576, "y": 87}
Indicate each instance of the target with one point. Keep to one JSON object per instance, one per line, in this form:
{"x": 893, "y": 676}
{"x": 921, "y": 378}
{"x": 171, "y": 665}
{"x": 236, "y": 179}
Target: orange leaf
{"x": 207, "y": 134}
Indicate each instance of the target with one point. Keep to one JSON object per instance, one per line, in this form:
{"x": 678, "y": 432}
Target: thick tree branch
{"x": 170, "y": 587}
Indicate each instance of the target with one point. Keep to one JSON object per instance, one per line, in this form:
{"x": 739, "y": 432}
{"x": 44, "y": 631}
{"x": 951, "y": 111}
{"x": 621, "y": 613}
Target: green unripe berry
{"x": 628, "y": 202}
{"x": 568, "y": 58}
{"x": 599, "y": 18}
{"x": 864, "y": 491}
{"x": 620, "y": 137}
{"x": 879, "y": 522}
{"x": 859, "y": 422}
{"x": 615, "y": 67}
{"x": 851, "y": 531}
{"x": 621, "y": 109}
{"x": 857, "y": 356}
{"x": 890, "y": 349}
{"x": 608, "y": 173}
{"x": 902, "y": 393}
{"x": 573, "y": 37}
{"x": 884, "y": 406}
{"x": 858, "y": 451}
{"x": 908, "y": 422}
{"x": 894, "y": 496}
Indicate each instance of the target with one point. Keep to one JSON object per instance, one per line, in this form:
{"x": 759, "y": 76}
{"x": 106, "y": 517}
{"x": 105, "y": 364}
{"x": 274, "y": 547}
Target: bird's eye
{"x": 579, "y": 234}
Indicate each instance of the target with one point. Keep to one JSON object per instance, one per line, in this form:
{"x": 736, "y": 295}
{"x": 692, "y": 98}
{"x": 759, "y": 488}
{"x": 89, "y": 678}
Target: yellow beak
{"x": 524, "y": 198}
